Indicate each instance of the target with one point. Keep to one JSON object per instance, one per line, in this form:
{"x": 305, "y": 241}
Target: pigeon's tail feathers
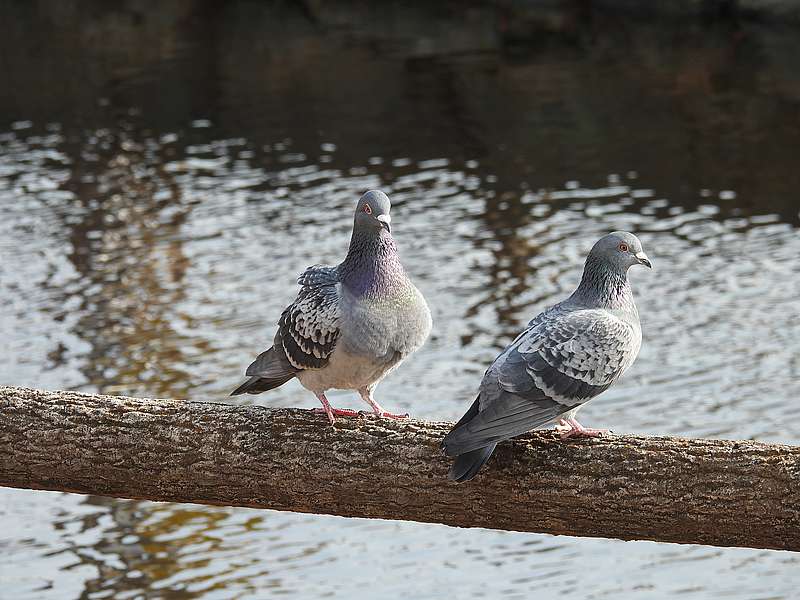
{"x": 270, "y": 364}
{"x": 468, "y": 416}
{"x": 256, "y": 385}
{"x": 467, "y": 465}
{"x": 268, "y": 371}
{"x": 501, "y": 418}
{"x": 474, "y": 409}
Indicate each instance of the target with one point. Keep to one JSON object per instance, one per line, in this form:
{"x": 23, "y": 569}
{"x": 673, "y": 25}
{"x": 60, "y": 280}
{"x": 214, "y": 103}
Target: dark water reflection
{"x": 159, "y": 194}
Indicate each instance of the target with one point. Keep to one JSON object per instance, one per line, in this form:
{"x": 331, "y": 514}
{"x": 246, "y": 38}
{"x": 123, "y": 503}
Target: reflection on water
{"x": 153, "y": 219}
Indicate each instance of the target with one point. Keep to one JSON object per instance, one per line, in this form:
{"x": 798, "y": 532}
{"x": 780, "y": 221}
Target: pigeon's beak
{"x": 641, "y": 257}
{"x": 386, "y": 222}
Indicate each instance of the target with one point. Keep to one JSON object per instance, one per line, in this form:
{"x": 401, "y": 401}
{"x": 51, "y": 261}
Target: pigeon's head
{"x": 372, "y": 211}
{"x": 620, "y": 250}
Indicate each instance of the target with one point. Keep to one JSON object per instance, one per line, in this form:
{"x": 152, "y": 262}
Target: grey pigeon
{"x": 566, "y": 356}
{"x": 350, "y": 325}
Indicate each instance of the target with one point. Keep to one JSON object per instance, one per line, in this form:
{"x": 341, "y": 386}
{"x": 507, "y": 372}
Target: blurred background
{"x": 168, "y": 168}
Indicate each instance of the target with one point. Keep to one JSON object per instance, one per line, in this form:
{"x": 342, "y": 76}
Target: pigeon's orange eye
{"x": 367, "y": 209}
{"x": 623, "y": 247}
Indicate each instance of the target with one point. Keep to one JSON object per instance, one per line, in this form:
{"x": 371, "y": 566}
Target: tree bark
{"x": 716, "y": 492}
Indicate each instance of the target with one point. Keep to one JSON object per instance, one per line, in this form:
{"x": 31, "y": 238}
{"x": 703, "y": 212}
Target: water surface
{"x": 154, "y": 216}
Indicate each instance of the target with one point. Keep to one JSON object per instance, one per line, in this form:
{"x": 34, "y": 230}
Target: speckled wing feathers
{"x": 309, "y": 327}
{"x": 569, "y": 357}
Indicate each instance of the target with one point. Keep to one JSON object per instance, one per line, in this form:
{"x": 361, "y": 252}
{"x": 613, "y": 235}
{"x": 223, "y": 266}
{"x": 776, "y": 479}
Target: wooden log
{"x": 717, "y": 492}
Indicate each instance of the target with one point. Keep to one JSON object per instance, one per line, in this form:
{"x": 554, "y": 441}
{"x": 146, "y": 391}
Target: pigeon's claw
{"x": 377, "y": 409}
{"x": 570, "y": 429}
{"x": 337, "y": 412}
{"x": 331, "y": 412}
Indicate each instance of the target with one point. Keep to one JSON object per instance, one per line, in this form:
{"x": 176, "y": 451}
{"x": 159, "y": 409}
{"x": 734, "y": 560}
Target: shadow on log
{"x": 716, "y": 492}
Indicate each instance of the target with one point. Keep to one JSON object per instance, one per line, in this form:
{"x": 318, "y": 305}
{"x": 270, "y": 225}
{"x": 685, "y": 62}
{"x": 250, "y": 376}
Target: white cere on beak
{"x": 643, "y": 260}
{"x": 385, "y": 219}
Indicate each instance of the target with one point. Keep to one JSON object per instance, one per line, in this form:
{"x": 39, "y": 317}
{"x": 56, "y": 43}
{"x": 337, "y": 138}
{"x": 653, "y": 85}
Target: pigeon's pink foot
{"x": 570, "y": 428}
{"x": 331, "y": 412}
{"x": 337, "y": 412}
{"x": 377, "y": 409}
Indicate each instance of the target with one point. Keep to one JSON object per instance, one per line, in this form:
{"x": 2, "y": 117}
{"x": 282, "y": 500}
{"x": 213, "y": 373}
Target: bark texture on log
{"x": 716, "y": 492}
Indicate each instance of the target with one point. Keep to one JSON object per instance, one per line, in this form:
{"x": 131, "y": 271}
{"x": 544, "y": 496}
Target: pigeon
{"x": 566, "y": 356}
{"x": 350, "y": 325}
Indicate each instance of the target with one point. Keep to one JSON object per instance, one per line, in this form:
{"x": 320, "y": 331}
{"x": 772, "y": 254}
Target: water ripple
{"x": 148, "y": 265}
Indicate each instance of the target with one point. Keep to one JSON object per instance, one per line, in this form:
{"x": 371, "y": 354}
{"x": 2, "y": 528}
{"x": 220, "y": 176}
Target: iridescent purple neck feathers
{"x": 372, "y": 266}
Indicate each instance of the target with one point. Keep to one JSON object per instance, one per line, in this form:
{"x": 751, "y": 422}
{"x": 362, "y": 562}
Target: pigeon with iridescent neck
{"x": 566, "y": 356}
{"x": 350, "y": 325}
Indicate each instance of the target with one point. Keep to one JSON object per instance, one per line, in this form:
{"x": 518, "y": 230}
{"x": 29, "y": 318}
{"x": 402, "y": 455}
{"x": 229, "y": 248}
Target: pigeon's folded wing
{"x": 570, "y": 357}
{"x": 308, "y": 329}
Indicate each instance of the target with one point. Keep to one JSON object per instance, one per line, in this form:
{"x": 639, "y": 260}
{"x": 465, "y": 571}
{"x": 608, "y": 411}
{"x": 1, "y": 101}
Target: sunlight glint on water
{"x": 158, "y": 269}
